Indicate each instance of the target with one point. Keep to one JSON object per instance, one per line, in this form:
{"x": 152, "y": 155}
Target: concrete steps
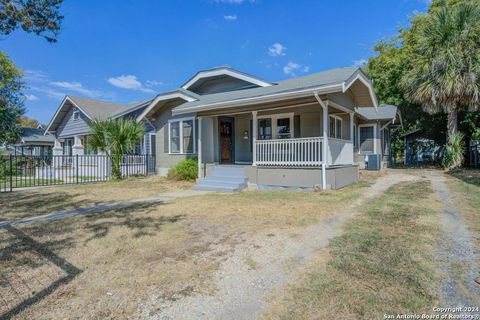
{"x": 224, "y": 179}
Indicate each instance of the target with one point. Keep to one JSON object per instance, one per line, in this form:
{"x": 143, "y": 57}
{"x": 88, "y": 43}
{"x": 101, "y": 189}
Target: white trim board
{"x": 227, "y": 72}
{"x": 164, "y": 97}
{"x": 180, "y": 120}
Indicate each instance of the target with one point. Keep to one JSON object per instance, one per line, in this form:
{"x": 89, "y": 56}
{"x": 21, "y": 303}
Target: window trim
{"x": 274, "y": 118}
{"x": 336, "y": 118}
{"x": 76, "y": 115}
{"x": 374, "y": 125}
{"x": 180, "y": 121}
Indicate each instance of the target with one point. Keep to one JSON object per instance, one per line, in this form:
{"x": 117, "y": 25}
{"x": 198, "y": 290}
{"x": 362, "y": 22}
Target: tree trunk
{"x": 452, "y": 122}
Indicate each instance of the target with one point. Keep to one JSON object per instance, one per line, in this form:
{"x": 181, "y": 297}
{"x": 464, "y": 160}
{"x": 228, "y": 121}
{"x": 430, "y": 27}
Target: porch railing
{"x": 289, "y": 152}
{"x": 306, "y": 152}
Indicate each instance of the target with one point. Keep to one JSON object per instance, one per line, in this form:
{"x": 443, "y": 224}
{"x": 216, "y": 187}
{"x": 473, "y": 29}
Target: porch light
{"x": 245, "y": 134}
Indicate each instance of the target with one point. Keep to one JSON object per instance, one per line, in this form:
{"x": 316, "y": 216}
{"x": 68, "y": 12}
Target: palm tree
{"x": 444, "y": 75}
{"x": 115, "y": 138}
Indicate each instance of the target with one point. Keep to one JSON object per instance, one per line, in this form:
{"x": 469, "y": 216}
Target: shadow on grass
{"x": 21, "y": 243}
{"x": 470, "y": 176}
{"x": 100, "y": 224}
{"x": 27, "y": 265}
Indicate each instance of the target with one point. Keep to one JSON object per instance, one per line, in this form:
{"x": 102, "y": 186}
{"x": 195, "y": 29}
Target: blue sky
{"x": 129, "y": 50}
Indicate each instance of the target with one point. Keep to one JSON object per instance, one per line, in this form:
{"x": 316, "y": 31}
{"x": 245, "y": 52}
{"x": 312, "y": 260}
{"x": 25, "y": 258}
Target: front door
{"x": 227, "y": 137}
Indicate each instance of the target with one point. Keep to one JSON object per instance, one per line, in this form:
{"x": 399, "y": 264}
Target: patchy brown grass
{"x": 465, "y": 187}
{"x": 112, "y": 263}
{"x": 382, "y": 264}
{"x": 27, "y": 203}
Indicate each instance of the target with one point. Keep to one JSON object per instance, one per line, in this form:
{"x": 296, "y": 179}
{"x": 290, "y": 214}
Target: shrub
{"x": 476, "y": 135}
{"x": 184, "y": 170}
{"x": 455, "y": 151}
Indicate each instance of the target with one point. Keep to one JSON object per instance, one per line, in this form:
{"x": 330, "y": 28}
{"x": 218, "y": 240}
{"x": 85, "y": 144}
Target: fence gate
{"x": 34, "y": 171}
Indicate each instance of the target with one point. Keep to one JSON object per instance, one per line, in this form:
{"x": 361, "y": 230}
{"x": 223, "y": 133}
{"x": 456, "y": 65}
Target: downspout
{"x": 324, "y": 106}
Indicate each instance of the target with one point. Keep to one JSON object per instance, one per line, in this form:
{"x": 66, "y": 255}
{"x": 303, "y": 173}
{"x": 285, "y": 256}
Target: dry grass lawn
{"x": 106, "y": 266}
{"x": 26, "y": 203}
{"x": 382, "y": 264}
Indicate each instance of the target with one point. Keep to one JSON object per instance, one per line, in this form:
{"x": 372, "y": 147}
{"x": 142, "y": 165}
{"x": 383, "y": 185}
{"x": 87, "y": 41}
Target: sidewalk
{"x": 162, "y": 198}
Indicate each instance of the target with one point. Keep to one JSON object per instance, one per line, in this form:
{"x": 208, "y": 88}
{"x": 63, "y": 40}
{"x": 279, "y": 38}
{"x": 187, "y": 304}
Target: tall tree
{"x": 11, "y": 99}
{"x": 28, "y": 122}
{"x": 444, "y": 73}
{"x": 41, "y": 17}
{"x": 115, "y": 138}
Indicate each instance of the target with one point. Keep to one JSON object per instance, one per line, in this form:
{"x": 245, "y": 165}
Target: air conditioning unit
{"x": 373, "y": 162}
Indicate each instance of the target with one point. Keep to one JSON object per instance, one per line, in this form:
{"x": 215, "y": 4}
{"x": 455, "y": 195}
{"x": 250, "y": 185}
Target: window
{"x": 277, "y": 126}
{"x": 188, "y": 136}
{"x": 182, "y": 136}
{"x": 335, "y": 127}
{"x": 366, "y": 140}
{"x": 283, "y": 128}
{"x": 265, "y": 129}
{"x": 76, "y": 115}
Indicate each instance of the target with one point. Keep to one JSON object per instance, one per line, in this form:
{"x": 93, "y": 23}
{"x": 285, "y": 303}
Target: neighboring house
{"x": 70, "y": 126}
{"x": 418, "y": 149}
{"x": 306, "y": 132}
{"x": 33, "y": 142}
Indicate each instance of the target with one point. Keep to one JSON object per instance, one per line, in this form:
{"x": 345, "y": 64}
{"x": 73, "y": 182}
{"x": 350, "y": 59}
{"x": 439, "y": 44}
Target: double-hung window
{"x": 181, "y": 136}
{"x": 335, "y": 127}
{"x": 276, "y": 126}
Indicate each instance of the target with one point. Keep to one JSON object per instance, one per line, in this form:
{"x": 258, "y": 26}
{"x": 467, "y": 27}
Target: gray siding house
{"x": 70, "y": 126}
{"x": 306, "y": 132}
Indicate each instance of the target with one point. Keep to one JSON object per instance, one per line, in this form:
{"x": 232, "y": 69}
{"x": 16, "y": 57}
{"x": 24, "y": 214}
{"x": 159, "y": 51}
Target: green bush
{"x": 455, "y": 151}
{"x": 476, "y": 135}
{"x": 184, "y": 170}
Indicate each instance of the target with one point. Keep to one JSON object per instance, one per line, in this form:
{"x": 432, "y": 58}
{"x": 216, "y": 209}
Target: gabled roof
{"x": 383, "y": 112}
{"x": 226, "y": 71}
{"x": 186, "y": 95}
{"x": 96, "y": 109}
{"x": 35, "y": 135}
{"x": 335, "y": 80}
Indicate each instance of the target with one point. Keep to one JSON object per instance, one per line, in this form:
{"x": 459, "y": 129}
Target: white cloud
{"x": 78, "y": 88}
{"x": 230, "y": 17}
{"x": 360, "y": 63}
{"x": 277, "y": 49}
{"x": 293, "y": 68}
{"x": 31, "y": 97}
{"x": 49, "y": 92}
{"x": 129, "y": 82}
{"x": 153, "y": 83}
{"x": 43, "y": 84}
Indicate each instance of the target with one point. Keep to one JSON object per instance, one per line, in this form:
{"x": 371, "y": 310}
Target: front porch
{"x": 308, "y": 138}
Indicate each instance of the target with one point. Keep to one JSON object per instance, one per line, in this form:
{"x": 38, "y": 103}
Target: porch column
{"x": 199, "y": 147}
{"x": 77, "y": 148}
{"x": 324, "y": 106}
{"x": 57, "y": 148}
{"x": 351, "y": 128}
{"x": 325, "y": 145}
{"x": 254, "y": 137}
{"x": 352, "y": 136}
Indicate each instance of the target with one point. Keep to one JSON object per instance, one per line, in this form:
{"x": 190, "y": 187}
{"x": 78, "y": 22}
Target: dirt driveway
{"x": 261, "y": 264}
